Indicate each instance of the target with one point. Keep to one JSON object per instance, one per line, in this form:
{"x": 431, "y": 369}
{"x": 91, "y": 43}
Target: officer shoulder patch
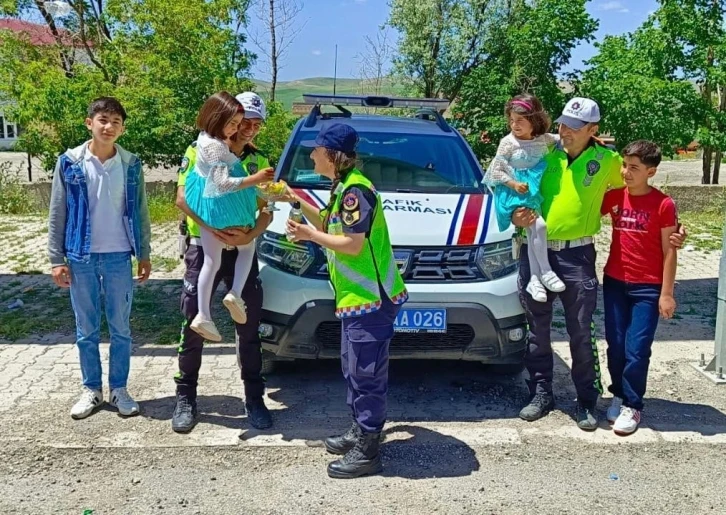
{"x": 184, "y": 165}
{"x": 351, "y": 202}
{"x": 351, "y": 217}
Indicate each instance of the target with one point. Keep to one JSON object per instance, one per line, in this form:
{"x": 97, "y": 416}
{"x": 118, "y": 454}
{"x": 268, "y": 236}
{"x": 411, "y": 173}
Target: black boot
{"x": 541, "y": 404}
{"x": 361, "y": 460}
{"x": 258, "y": 414}
{"x": 345, "y": 442}
{"x": 185, "y": 414}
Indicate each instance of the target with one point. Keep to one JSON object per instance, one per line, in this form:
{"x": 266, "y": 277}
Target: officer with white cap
{"x": 249, "y": 352}
{"x": 579, "y": 172}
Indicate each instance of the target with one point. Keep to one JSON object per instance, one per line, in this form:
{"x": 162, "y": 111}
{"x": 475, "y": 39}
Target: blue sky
{"x": 347, "y": 22}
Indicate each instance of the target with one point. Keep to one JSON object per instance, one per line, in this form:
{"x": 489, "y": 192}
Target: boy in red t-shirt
{"x": 639, "y": 277}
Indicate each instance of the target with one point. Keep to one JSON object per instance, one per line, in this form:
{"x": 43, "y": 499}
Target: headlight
{"x": 495, "y": 260}
{"x": 294, "y": 258}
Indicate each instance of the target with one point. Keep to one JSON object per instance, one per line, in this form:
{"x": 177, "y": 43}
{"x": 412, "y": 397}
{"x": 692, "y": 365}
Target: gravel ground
{"x": 539, "y": 478}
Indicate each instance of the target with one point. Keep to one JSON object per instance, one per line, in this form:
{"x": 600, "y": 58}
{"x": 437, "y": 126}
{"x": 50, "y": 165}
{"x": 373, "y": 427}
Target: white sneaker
{"x": 206, "y": 329}
{"x": 552, "y": 282}
{"x": 536, "y": 290}
{"x": 121, "y": 399}
{"x": 90, "y": 401}
{"x": 237, "y": 307}
{"x": 627, "y": 422}
{"x": 614, "y": 409}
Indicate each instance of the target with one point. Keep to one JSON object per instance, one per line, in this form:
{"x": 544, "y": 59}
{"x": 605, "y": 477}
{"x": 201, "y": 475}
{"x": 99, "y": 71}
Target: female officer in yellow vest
{"x": 368, "y": 292}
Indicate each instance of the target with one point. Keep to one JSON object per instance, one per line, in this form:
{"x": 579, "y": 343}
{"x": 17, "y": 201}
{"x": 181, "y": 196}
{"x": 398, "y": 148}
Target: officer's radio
{"x": 183, "y": 236}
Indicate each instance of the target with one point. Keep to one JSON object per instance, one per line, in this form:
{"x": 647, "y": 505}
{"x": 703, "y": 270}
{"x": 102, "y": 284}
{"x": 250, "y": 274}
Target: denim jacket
{"x": 69, "y": 229}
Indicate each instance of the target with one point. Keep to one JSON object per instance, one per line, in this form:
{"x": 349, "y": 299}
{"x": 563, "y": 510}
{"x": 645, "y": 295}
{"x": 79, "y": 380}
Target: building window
{"x": 7, "y": 130}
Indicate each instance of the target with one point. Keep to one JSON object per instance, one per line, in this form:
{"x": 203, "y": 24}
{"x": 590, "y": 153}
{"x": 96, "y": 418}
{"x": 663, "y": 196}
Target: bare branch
{"x": 281, "y": 26}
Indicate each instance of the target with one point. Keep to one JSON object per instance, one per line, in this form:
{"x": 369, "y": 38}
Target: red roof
{"x": 39, "y": 35}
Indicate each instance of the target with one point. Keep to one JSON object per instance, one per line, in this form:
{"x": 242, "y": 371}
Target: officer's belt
{"x": 193, "y": 240}
{"x": 558, "y": 245}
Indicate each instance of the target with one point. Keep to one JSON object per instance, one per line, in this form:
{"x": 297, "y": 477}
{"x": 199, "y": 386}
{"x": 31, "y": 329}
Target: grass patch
{"x": 162, "y": 208}
{"x": 9, "y": 228}
{"x": 155, "y": 317}
{"x": 164, "y": 264}
{"x": 705, "y": 229}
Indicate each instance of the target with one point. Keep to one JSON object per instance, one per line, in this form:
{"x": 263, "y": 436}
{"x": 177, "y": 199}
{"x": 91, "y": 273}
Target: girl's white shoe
{"x": 206, "y": 329}
{"x": 536, "y": 290}
{"x": 236, "y": 306}
{"x": 552, "y": 282}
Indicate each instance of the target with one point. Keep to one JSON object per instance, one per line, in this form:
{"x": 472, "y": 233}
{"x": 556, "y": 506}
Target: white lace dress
{"x": 213, "y": 191}
{"x": 521, "y": 161}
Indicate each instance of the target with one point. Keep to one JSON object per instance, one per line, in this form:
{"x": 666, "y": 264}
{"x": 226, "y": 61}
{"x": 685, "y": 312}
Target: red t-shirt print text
{"x": 636, "y": 252}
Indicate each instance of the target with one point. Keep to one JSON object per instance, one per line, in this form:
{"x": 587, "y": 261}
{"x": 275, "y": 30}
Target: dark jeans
{"x": 576, "y": 268}
{"x": 631, "y": 318}
{"x": 249, "y": 347}
{"x": 364, "y": 349}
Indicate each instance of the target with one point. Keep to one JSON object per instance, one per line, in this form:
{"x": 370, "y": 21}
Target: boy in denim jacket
{"x": 99, "y": 218}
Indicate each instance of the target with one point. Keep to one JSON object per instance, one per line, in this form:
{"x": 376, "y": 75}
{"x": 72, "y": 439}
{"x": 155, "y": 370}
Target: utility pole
{"x": 335, "y": 73}
{"x": 716, "y": 368}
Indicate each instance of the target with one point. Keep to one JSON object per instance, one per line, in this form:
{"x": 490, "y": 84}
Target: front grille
{"x": 457, "y": 337}
{"x": 451, "y": 264}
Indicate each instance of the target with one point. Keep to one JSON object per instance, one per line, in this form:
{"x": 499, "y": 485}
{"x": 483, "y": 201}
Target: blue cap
{"x": 337, "y": 136}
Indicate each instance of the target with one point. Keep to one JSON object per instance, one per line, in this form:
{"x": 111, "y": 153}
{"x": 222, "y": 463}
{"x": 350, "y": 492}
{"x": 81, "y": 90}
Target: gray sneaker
{"x": 538, "y": 407}
{"x": 587, "y": 416}
{"x": 121, "y": 399}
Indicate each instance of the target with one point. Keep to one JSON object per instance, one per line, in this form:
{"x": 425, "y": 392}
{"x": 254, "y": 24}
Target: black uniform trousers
{"x": 576, "y": 268}
{"x": 249, "y": 347}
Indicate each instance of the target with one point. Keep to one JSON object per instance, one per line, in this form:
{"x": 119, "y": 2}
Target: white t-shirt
{"x": 106, "y": 202}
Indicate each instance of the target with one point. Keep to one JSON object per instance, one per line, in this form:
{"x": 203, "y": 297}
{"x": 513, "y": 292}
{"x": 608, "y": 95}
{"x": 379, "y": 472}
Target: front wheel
{"x": 269, "y": 363}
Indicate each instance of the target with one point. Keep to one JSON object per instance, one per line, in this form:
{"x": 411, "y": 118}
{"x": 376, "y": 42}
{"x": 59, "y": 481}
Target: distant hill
{"x": 292, "y": 91}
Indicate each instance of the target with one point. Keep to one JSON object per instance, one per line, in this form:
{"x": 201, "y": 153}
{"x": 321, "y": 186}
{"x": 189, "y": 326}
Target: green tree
{"x": 275, "y": 132}
{"x": 696, "y": 34}
{"x": 636, "y": 81}
{"x": 442, "y": 41}
{"x": 159, "y": 57}
{"x": 526, "y": 53}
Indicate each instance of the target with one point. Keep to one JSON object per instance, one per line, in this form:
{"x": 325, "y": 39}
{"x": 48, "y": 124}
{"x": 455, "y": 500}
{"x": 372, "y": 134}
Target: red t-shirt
{"x": 636, "y": 252}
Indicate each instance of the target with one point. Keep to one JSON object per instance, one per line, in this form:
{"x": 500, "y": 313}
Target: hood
{"x": 419, "y": 219}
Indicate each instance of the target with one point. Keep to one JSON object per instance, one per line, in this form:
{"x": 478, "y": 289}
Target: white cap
{"x": 253, "y": 104}
{"x": 579, "y": 112}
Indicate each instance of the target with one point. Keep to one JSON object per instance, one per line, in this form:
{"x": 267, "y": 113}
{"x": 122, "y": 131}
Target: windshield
{"x": 395, "y": 162}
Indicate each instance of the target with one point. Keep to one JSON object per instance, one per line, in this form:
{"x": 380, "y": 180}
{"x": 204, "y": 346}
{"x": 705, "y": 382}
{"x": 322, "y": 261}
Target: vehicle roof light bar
{"x": 437, "y": 104}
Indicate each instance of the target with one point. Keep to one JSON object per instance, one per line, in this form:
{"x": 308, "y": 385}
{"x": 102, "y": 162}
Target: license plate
{"x": 420, "y": 321}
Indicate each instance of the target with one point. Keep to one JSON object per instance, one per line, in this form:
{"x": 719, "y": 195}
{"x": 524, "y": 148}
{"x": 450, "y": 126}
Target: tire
{"x": 508, "y": 369}
{"x": 269, "y": 363}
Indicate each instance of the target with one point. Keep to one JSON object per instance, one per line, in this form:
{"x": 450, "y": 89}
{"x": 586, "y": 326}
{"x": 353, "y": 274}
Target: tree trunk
{"x": 708, "y": 99}
{"x": 30, "y": 168}
{"x": 273, "y": 51}
{"x": 716, "y": 167}
{"x": 707, "y": 157}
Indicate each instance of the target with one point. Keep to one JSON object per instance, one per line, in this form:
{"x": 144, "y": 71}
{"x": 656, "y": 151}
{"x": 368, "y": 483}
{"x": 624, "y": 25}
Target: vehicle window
{"x": 395, "y": 162}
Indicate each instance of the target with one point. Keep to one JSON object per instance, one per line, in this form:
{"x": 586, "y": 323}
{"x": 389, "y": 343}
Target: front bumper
{"x": 473, "y": 334}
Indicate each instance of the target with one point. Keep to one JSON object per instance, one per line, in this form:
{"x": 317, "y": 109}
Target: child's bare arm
{"x": 667, "y": 303}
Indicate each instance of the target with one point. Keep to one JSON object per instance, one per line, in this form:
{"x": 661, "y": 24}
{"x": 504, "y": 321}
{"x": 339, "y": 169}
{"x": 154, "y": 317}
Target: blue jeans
{"x": 631, "y": 318}
{"x": 111, "y": 275}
